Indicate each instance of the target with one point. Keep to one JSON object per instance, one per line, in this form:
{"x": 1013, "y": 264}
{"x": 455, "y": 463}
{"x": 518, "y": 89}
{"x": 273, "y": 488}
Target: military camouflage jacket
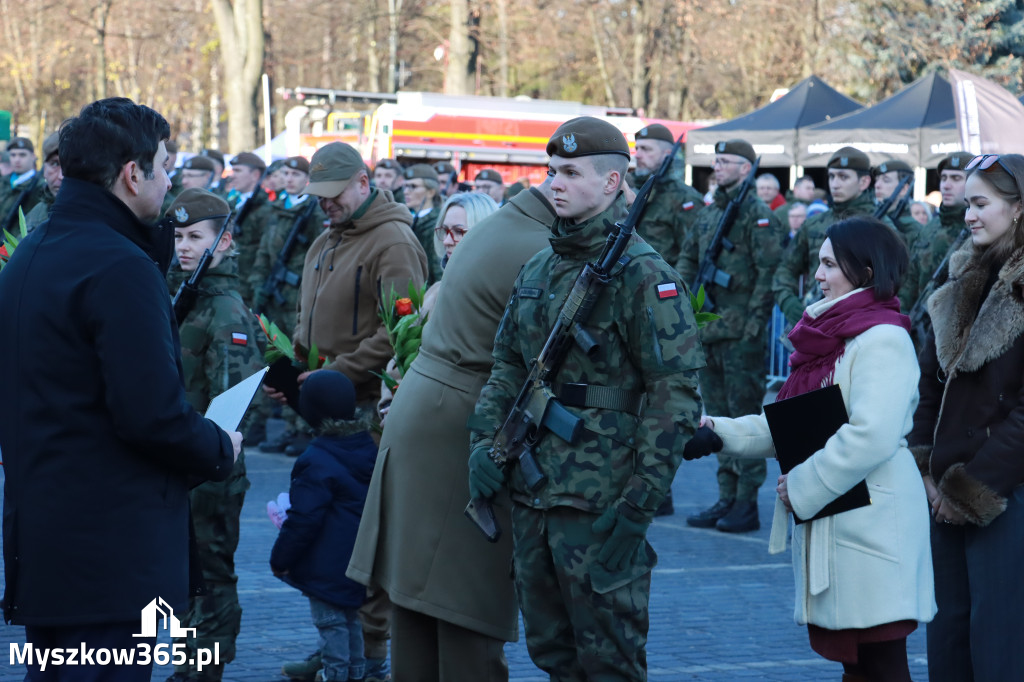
{"x": 9, "y": 196}
{"x": 757, "y": 237}
{"x": 933, "y": 243}
{"x": 801, "y": 256}
{"x": 40, "y": 211}
{"x": 648, "y": 343}
{"x": 277, "y": 222}
{"x": 671, "y": 210}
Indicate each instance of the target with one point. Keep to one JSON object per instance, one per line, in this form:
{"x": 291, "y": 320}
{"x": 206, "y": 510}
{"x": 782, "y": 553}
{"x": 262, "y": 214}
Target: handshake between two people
{"x": 704, "y": 442}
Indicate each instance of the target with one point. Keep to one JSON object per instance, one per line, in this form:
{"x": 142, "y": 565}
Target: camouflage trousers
{"x": 733, "y": 385}
{"x": 573, "y": 633}
{"x": 216, "y": 615}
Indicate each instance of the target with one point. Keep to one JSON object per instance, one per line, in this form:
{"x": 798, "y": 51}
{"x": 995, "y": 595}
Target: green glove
{"x": 485, "y": 477}
{"x": 628, "y": 530}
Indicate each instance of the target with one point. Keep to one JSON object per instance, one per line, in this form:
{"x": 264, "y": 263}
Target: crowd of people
{"x": 915, "y": 315}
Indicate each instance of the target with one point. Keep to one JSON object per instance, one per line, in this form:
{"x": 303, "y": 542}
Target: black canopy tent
{"x": 772, "y": 128}
{"x": 916, "y": 125}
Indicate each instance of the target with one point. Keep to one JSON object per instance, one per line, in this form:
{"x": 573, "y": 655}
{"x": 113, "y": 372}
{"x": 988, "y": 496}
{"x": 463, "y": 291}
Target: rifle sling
{"x": 601, "y": 397}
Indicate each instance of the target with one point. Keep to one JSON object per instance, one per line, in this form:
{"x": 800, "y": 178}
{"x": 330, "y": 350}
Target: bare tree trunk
{"x": 459, "y": 71}
{"x": 394, "y": 9}
{"x": 602, "y": 68}
{"x": 13, "y": 39}
{"x": 100, "y": 14}
{"x": 372, "y": 58}
{"x": 240, "y": 27}
{"x": 503, "y": 80}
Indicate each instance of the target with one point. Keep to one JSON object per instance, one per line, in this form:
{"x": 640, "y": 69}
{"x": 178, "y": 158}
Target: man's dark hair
{"x": 860, "y": 243}
{"x": 107, "y": 134}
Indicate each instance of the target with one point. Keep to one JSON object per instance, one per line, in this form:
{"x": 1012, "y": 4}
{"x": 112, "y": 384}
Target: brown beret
{"x": 298, "y": 163}
{"x": 194, "y": 205}
{"x": 956, "y": 161}
{"x": 893, "y": 165}
{"x": 490, "y": 175}
{"x": 738, "y": 148}
{"x": 21, "y": 143}
{"x": 214, "y": 154}
{"x": 50, "y": 145}
{"x": 249, "y": 159}
{"x": 420, "y": 170}
{"x": 850, "y": 157}
{"x": 655, "y": 131}
{"x": 587, "y": 136}
{"x": 201, "y": 163}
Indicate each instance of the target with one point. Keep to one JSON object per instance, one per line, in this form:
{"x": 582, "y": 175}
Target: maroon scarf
{"x": 819, "y": 342}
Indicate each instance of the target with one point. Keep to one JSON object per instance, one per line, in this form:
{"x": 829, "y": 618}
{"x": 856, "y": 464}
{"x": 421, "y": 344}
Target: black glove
{"x": 703, "y": 443}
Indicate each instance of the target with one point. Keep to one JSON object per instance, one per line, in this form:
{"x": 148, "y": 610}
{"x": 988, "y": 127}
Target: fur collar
{"x": 963, "y": 342}
{"x": 346, "y": 427}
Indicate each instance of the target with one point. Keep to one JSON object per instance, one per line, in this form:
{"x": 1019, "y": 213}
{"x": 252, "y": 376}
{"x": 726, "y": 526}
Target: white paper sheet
{"x": 227, "y": 409}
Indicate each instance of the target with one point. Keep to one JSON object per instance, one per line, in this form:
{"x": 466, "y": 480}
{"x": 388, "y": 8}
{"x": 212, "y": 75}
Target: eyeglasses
{"x": 456, "y": 232}
{"x": 986, "y": 161}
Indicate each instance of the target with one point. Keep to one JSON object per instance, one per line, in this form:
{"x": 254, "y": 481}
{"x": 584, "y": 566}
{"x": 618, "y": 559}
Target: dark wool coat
{"x": 98, "y": 441}
{"x": 969, "y": 426}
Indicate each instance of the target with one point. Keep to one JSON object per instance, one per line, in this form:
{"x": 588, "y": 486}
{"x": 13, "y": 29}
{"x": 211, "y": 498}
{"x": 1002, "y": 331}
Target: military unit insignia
{"x": 293, "y": 163}
{"x": 721, "y": 147}
{"x": 954, "y": 162}
{"x": 668, "y": 290}
{"x": 180, "y": 214}
{"x": 569, "y": 143}
{"x": 318, "y": 167}
{"x": 844, "y": 161}
{"x": 643, "y": 132}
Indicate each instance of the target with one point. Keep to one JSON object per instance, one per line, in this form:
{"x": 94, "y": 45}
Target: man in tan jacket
{"x": 368, "y": 249}
{"x": 455, "y": 605}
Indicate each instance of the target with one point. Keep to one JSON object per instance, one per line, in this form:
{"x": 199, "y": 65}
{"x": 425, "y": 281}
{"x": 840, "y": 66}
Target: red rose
{"x": 403, "y": 307}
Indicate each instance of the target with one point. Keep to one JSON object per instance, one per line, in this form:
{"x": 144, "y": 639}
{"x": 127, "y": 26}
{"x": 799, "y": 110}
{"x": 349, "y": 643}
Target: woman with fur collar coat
{"x": 968, "y": 435}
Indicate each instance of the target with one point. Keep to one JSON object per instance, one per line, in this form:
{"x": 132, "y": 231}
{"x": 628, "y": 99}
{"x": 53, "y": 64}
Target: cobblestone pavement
{"x": 721, "y": 606}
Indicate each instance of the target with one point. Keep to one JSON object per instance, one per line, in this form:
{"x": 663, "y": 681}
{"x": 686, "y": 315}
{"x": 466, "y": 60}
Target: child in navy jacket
{"x": 328, "y": 489}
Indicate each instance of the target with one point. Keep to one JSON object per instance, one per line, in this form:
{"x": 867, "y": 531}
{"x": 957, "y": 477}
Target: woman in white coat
{"x": 863, "y": 577}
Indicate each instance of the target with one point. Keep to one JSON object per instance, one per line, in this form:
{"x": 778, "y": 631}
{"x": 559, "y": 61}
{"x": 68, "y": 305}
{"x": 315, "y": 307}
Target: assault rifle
{"x": 188, "y": 292}
{"x": 920, "y": 323}
{"x": 280, "y": 274}
{"x": 883, "y": 208}
{"x": 536, "y": 409}
{"x": 709, "y": 274}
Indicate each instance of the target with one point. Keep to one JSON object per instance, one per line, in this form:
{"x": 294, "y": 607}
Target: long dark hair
{"x": 869, "y": 253}
{"x": 1006, "y": 178}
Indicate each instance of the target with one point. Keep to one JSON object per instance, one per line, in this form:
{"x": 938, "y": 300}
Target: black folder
{"x": 801, "y": 426}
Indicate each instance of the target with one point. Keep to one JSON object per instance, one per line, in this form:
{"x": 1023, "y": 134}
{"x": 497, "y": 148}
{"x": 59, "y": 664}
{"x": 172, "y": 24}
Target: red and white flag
{"x": 667, "y": 290}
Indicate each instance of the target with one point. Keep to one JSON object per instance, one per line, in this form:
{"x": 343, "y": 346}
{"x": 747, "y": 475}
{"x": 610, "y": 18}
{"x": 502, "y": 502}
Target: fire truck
{"x": 470, "y": 132}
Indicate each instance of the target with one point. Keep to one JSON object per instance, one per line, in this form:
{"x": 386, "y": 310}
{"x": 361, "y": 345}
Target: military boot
{"x": 742, "y": 518}
{"x": 708, "y": 517}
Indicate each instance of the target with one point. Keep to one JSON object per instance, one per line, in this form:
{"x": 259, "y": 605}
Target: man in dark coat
{"x": 98, "y": 441}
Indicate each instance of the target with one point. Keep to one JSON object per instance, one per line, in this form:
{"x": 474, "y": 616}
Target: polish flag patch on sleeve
{"x": 688, "y": 205}
{"x": 667, "y": 290}
{"x": 239, "y": 339}
{"x": 763, "y": 222}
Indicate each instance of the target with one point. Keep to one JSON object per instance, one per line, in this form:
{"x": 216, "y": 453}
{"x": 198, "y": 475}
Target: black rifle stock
{"x": 883, "y": 208}
{"x": 536, "y": 409}
{"x": 188, "y": 292}
{"x": 709, "y": 274}
{"x": 920, "y": 323}
{"x": 279, "y": 273}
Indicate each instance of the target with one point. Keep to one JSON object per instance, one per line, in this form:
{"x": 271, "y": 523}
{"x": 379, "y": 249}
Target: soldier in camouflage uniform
{"x": 422, "y": 196}
{"x": 387, "y": 174}
{"x": 582, "y": 564}
{"x": 849, "y": 181}
{"x": 672, "y": 206}
{"x": 247, "y": 199}
{"x": 218, "y": 349}
{"x": 54, "y": 176}
{"x": 23, "y": 187}
{"x": 943, "y": 234}
{"x": 273, "y": 223}
{"x": 887, "y": 176}
{"x": 733, "y": 383}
